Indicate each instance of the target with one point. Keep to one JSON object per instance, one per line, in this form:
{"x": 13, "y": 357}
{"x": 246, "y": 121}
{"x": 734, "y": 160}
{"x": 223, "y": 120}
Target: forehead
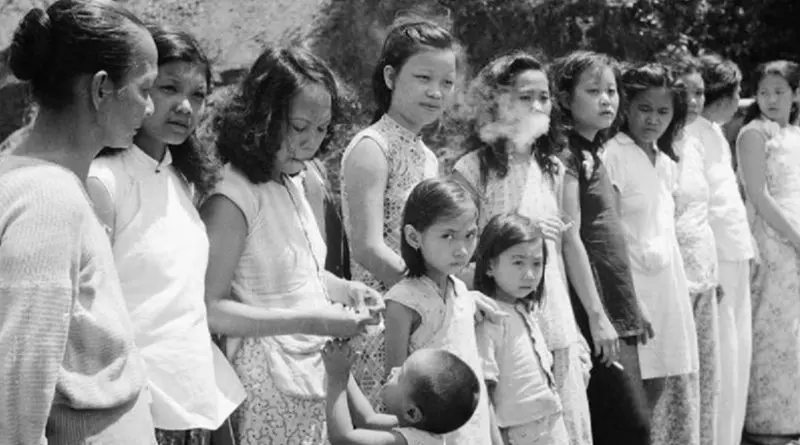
{"x": 692, "y": 80}
{"x": 312, "y": 103}
{"x": 597, "y": 74}
{"x": 183, "y": 71}
{"x": 658, "y": 97}
{"x": 432, "y": 59}
{"x": 531, "y": 80}
{"x": 773, "y": 81}
{"x": 532, "y": 249}
{"x": 465, "y": 221}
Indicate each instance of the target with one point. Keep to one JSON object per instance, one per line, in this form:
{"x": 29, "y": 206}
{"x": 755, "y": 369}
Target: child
{"x": 641, "y": 166}
{"x": 431, "y": 308}
{"x": 510, "y": 262}
{"x": 585, "y": 84}
{"x": 511, "y": 162}
{"x": 412, "y": 83}
{"x": 433, "y": 393}
{"x": 769, "y": 150}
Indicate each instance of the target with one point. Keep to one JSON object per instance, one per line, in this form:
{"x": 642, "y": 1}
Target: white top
{"x": 515, "y": 357}
{"x": 281, "y": 266}
{"x": 447, "y": 323}
{"x": 727, "y": 214}
{"x": 647, "y": 212}
{"x": 161, "y": 252}
{"x": 415, "y": 436}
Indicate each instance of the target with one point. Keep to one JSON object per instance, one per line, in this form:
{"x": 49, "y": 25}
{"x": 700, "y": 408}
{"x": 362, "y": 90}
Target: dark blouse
{"x": 602, "y": 235}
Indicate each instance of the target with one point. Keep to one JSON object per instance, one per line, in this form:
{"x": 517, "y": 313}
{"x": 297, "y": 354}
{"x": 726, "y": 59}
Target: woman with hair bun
{"x": 74, "y": 375}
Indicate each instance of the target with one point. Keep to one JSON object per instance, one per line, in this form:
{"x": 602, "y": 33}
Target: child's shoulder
{"x": 409, "y": 289}
{"x": 414, "y": 436}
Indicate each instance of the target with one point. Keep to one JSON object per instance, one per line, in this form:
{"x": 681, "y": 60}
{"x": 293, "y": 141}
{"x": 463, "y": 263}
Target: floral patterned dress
{"x": 773, "y": 406}
{"x": 409, "y": 162}
{"x": 698, "y": 249}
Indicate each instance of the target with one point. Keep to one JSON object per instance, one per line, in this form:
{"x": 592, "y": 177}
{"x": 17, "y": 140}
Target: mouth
{"x": 177, "y": 124}
{"x": 431, "y": 107}
{"x": 607, "y": 113}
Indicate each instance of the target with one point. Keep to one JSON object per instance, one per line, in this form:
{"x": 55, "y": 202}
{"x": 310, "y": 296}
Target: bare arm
{"x": 751, "y": 150}
{"x": 362, "y": 412}
{"x": 227, "y": 228}
{"x": 103, "y": 204}
{"x": 579, "y": 271}
{"x": 399, "y": 320}
{"x": 366, "y": 172}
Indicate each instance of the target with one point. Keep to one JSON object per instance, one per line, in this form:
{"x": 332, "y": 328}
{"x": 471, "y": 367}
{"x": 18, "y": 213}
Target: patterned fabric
{"x": 268, "y": 415}
{"x": 773, "y": 406}
{"x": 409, "y": 162}
{"x": 675, "y": 416}
{"x": 548, "y": 430}
{"x": 706, "y": 320}
{"x": 571, "y": 375}
{"x": 190, "y": 437}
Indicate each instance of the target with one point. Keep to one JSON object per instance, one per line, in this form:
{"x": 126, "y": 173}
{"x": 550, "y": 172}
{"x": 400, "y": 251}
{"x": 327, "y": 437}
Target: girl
{"x": 510, "y": 261}
{"x": 72, "y": 373}
{"x": 769, "y": 151}
{"x": 266, "y": 280}
{"x": 585, "y": 84}
{"x": 146, "y": 195}
{"x": 412, "y": 84}
{"x": 511, "y": 163}
{"x": 641, "y": 166}
{"x": 698, "y": 248}
{"x": 431, "y": 308}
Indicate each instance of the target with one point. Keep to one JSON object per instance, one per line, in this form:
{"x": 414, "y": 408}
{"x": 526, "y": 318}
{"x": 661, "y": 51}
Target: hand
{"x": 363, "y": 297}
{"x": 337, "y": 355}
{"x": 648, "y": 327}
{"x": 486, "y": 308}
{"x": 551, "y": 228}
{"x": 342, "y": 322}
{"x": 606, "y": 341}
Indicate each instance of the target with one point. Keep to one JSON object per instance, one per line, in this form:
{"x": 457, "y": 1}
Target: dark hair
{"x": 783, "y": 68}
{"x": 721, "y": 76}
{"x": 405, "y": 39}
{"x": 497, "y": 75}
{"x": 566, "y": 71}
{"x": 52, "y": 48}
{"x": 430, "y": 201}
{"x": 501, "y": 233}
{"x": 250, "y": 126}
{"x": 646, "y": 76}
{"x": 447, "y": 395}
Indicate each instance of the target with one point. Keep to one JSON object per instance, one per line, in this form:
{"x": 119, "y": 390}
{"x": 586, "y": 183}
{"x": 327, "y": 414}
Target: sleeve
{"x": 615, "y": 165}
{"x": 40, "y": 262}
{"x": 414, "y": 436}
{"x": 236, "y": 187}
{"x": 490, "y": 340}
{"x": 408, "y": 295}
{"x": 107, "y": 206}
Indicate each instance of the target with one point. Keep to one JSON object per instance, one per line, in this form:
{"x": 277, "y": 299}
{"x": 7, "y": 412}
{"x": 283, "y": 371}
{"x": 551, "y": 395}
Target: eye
{"x": 423, "y": 77}
{"x": 168, "y": 89}
{"x": 612, "y": 91}
{"x": 299, "y": 128}
{"x": 593, "y": 91}
{"x": 449, "y": 83}
{"x": 201, "y": 95}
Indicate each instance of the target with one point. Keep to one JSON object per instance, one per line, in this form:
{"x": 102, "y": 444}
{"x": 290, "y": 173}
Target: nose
{"x": 605, "y": 99}
{"x": 434, "y": 92}
{"x": 538, "y": 106}
{"x": 184, "y": 106}
{"x": 149, "y": 107}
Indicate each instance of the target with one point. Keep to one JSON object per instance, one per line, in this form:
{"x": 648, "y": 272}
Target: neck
{"x": 505, "y": 297}
{"x": 587, "y": 133}
{"x": 439, "y": 278}
{"x": 649, "y": 148}
{"x": 713, "y": 114}
{"x": 516, "y": 155}
{"x": 150, "y": 145}
{"x": 401, "y": 119}
{"x": 58, "y": 138}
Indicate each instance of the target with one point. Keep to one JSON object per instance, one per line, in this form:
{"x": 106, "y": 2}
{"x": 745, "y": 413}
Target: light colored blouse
{"x": 647, "y": 211}
{"x": 161, "y": 252}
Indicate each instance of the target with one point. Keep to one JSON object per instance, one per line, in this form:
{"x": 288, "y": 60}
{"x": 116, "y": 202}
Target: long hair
{"x": 783, "y": 68}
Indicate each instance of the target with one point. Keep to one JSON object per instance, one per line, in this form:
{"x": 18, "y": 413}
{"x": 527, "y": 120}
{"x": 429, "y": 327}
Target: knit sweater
{"x": 70, "y": 373}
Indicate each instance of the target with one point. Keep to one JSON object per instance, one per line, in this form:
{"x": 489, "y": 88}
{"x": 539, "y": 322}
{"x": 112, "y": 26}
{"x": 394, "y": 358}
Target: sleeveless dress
{"x": 280, "y": 267}
{"x": 699, "y": 252}
{"x": 529, "y": 191}
{"x": 448, "y": 323}
{"x": 409, "y": 162}
{"x": 773, "y": 407}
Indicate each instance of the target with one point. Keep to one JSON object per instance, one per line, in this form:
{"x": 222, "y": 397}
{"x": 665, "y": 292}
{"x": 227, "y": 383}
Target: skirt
{"x": 548, "y": 430}
{"x": 569, "y": 374}
{"x": 188, "y": 437}
{"x": 676, "y": 417}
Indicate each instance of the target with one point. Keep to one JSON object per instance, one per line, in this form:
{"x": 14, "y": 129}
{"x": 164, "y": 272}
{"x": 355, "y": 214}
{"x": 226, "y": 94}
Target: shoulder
{"x": 366, "y": 154}
{"x": 410, "y": 292}
{"x": 112, "y": 173}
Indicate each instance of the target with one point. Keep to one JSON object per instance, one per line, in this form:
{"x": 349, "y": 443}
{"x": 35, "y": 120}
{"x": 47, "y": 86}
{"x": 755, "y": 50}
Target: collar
{"x": 144, "y": 160}
{"x": 581, "y": 143}
{"x": 398, "y": 129}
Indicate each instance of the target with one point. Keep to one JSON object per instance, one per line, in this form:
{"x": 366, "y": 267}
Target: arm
{"x": 40, "y": 263}
{"x": 366, "y": 172}
{"x": 316, "y": 191}
{"x": 103, "y": 204}
{"x": 751, "y": 150}
{"x": 579, "y": 271}
{"x": 488, "y": 336}
{"x": 399, "y": 320}
{"x": 362, "y": 412}
{"x": 227, "y": 228}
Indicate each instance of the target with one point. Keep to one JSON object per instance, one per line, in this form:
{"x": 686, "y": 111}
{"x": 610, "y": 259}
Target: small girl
{"x": 431, "y": 308}
{"x": 510, "y": 261}
{"x": 585, "y": 84}
{"x": 511, "y": 162}
{"x": 432, "y": 394}
{"x": 412, "y": 84}
{"x": 146, "y": 195}
{"x": 641, "y": 167}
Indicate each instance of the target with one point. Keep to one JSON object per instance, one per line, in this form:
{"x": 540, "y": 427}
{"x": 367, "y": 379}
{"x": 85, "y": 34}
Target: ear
{"x": 563, "y": 99}
{"x": 100, "y": 88}
{"x": 413, "y": 237}
{"x": 413, "y": 414}
{"x": 389, "y": 76}
{"x": 490, "y": 268}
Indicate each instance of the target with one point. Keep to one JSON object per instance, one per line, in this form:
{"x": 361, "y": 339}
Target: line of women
{"x": 125, "y": 242}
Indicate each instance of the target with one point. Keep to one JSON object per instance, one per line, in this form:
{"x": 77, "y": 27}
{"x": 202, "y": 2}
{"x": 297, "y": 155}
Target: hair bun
{"x": 31, "y": 45}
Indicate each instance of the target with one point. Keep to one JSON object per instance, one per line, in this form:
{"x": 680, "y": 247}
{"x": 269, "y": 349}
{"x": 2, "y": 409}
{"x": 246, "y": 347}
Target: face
{"x": 121, "y": 108}
{"x": 396, "y": 393}
{"x": 528, "y": 108}
{"x": 518, "y": 270}
{"x": 775, "y": 98}
{"x": 179, "y": 99}
{"x": 424, "y": 85}
{"x": 730, "y": 105}
{"x": 448, "y": 244}
{"x": 309, "y": 118}
{"x": 695, "y": 95}
{"x": 649, "y": 115}
{"x": 595, "y": 100}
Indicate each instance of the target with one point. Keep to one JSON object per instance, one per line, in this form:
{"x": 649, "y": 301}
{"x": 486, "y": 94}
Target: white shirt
{"x": 727, "y": 213}
{"x": 161, "y": 252}
{"x": 647, "y": 212}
